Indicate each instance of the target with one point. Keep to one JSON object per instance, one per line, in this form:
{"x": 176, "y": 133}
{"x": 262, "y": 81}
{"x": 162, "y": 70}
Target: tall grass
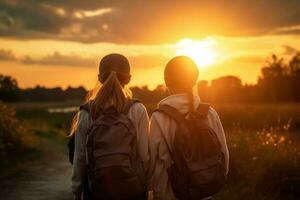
{"x": 259, "y": 116}
{"x": 263, "y": 164}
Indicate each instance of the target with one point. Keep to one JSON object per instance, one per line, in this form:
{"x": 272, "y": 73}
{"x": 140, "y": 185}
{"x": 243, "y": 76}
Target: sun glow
{"x": 201, "y": 52}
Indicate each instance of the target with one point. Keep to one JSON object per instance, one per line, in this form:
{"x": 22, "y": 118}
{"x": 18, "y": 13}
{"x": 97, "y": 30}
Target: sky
{"x": 60, "y": 43}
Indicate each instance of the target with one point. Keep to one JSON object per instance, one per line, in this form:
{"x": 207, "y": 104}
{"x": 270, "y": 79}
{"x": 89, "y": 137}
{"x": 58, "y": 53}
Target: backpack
{"x": 114, "y": 169}
{"x": 198, "y": 168}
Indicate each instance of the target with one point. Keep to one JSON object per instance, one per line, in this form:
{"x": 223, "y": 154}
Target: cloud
{"x": 142, "y": 61}
{"x": 6, "y": 55}
{"x": 145, "y": 22}
{"x": 59, "y": 59}
{"x": 288, "y": 30}
{"x": 289, "y": 50}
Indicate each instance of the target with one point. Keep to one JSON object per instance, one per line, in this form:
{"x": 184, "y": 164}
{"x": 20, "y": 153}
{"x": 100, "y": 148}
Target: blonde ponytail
{"x": 114, "y": 74}
{"x": 110, "y": 93}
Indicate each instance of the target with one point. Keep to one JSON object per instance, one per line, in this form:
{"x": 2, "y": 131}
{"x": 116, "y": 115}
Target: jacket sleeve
{"x": 155, "y": 138}
{"x": 141, "y": 121}
{"x": 79, "y": 162}
{"x": 159, "y": 161}
{"x": 218, "y": 128}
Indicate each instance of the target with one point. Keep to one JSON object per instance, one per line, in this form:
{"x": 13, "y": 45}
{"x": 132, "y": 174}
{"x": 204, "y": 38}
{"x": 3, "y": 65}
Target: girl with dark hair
{"x": 180, "y": 76}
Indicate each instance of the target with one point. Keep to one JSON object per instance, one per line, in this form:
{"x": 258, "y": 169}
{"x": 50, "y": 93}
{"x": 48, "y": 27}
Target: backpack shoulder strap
{"x": 174, "y": 114}
{"x": 203, "y": 109}
{"x": 86, "y": 107}
{"x": 171, "y": 112}
{"x": 130, "y": 103}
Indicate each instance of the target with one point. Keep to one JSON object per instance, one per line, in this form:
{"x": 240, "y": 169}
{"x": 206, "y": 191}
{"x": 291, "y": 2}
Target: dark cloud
{"x": 29, "y": 20}
{"x": 6, "y": 55}
{"x": 58, "y": 59}
{"x": 144, "y": 22}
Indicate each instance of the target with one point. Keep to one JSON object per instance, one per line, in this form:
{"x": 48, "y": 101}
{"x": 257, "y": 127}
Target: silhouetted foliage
{"x": 52, "y": 94}
{"x": 15, "y": 136}
{"x": 9, "y": 90}
{"x": 279, "y": 82}
{"x": 149, "y": 96}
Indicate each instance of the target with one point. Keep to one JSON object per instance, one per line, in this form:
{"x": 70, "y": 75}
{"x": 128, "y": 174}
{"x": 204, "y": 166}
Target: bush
{"x": 15, "y": 136}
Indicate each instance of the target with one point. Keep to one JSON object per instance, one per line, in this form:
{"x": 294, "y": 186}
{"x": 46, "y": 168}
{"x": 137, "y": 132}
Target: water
{"x": 63, "y": 110}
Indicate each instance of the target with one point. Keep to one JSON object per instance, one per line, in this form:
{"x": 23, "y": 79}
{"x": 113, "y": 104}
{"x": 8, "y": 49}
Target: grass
{"x": 263, "y": 165}
{"x": 259, "y": 116}
{"x": 264, "y": 146}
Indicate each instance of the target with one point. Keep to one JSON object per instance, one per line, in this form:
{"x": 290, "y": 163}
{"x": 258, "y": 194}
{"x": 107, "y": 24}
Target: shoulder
{"x": 160, "y": 118}
{"x": 84, "y": 116}
{"x": 212, "y": 111}
{"x": 157, "y": 114}
{"x": 138, "y": 109}
{"x": 138, "y": 106}
{"x": 213, "y": 115}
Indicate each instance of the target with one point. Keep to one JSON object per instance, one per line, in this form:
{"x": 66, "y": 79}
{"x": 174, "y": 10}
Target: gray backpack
{"x": 115, "y": 171}
{"x": 199, "y": 164}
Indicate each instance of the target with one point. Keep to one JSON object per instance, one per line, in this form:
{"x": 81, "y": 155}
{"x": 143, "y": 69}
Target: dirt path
{"x": 47, "y": 179}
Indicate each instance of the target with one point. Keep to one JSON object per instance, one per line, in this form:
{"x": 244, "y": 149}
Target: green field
{"x": 263, "y": 140}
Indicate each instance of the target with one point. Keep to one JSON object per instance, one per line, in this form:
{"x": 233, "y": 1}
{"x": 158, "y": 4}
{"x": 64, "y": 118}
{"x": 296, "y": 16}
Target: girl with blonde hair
{"x": 111, "y": 138}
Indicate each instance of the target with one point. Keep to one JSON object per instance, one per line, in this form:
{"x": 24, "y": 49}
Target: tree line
{"x": 279, "y": 81}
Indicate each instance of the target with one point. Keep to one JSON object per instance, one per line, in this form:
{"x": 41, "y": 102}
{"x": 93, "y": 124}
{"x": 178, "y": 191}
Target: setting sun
{"x": 200, "y": 51}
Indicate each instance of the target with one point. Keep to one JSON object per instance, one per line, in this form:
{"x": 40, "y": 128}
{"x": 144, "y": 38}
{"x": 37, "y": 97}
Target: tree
{"x": 294, "y": 71}
{"x": 226, "y": 89}
{"x": 294, "y": 65}
{"x": 275, "y": 68}
{"x": 204, "y": 90}
{"x": 274, "y": 81}
{"x": 280, "y": 81}
{"x": 9, "y": 90}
